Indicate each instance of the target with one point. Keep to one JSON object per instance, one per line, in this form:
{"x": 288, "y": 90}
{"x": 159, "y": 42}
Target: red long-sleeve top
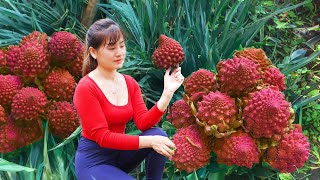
{"x": 104, "y": 122}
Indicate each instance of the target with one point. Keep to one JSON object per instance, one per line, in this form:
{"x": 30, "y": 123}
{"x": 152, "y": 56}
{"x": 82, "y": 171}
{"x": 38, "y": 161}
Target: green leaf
{"x": 306, "y": 101}
{"x": 314, "y": 92}
{"x": 47, "y": 174}
{"x": 217, "y": 176}
{"x": 298, "y": 54}
{"x": 12, "y": 167}
{"x": 285, "y": 176}
{"x": 69, "y": 139}
{"x": 192, "y": 176}
{"x": 167, "y": 126}
{"x": 301, "y": 63}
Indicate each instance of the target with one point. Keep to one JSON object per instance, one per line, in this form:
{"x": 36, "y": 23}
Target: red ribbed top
{"x": 104, "y": 122}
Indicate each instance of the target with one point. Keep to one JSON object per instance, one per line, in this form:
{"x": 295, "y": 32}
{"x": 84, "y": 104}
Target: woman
{"x": 106, "y": 100}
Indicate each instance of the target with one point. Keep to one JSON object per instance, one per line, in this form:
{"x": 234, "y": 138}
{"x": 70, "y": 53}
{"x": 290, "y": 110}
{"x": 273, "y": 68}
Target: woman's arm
{"x": 145, "y": 119}
{"x": 171, "y": 83}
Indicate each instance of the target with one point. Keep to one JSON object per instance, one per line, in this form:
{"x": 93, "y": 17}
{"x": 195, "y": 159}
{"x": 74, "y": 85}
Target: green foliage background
{"x": 209, "y": 31}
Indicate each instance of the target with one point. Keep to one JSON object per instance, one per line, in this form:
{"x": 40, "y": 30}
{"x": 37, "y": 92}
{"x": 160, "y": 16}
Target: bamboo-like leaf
{"x": 47, "y": 173}
{"x": 298, "y": 54}
{"x": 302, "y": 62}
{"x": 22, "y": 17}
{"x": 13, "y": 167}
{"x": 306, "y": 101}
{"x": 67, "y": 140}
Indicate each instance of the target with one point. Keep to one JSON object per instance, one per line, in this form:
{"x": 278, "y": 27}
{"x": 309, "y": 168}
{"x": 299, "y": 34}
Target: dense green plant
{"x": 208, "y": 31}
{"x": 20, "y": 17}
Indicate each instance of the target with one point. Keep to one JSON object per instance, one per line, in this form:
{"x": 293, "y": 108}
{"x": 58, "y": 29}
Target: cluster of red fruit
{"x": 37, "y": 82}
{"x": 239, "y": 113}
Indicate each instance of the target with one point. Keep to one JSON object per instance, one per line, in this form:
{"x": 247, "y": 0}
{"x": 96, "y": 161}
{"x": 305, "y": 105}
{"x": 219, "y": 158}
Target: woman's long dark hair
{"x": 97, "y": 35}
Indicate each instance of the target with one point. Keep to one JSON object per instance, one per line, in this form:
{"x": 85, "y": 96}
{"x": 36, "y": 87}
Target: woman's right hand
{"x": 163, "y": 146}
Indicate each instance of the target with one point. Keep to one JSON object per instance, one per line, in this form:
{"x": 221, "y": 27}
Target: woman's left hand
{"x": 174, "y": 80}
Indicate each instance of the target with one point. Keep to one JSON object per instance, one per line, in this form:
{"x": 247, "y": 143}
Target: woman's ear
{"x": 93, "y": 52}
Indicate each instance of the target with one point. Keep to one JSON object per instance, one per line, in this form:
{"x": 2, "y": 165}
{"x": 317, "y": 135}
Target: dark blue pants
{"x": 96, "y": 163}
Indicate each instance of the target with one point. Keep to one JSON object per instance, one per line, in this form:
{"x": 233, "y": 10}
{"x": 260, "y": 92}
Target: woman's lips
{"x": 118, "y": 61}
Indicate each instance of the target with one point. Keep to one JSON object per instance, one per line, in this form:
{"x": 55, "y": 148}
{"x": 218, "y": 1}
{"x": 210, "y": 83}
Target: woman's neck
{"x": 105, "y": 74}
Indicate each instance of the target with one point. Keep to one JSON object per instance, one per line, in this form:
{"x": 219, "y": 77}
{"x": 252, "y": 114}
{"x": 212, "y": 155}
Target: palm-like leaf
{"x": 208, "y": 31}
{"x": 20, "y": 17}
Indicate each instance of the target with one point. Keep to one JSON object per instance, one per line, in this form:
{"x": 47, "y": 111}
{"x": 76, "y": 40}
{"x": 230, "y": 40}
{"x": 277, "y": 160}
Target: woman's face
{"x": 111, "y": 56}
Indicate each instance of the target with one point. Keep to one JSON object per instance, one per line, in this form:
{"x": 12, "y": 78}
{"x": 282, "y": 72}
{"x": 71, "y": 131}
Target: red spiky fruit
{"x": 273, "y": 76}
{"x": 9, "y": 86}
{"x": 237, "y": 76}
{"x": 168, "y": 54}
{"x": 12, "y": 55}
{"x": 64, "y": 47}
{"x": 258, "y": 56}
{"x": 291, "y": 152}
{"x": 192, "y": 151}
{"x": 201, "y": 80}
{"x": 180, "y": 114}
{"x": 266, "y": 113}
{"x": 36, "y": 37}
{"x": 59, "y": 85}
{"x": 3, "y": 116}
{"x": 28, "y": 134}
{"x": 63, "y": 119}
{"x": 237, "y": 149}
{"x": 3, "y": 61}
{"x": 28, "y": 104}
{"x": 8, "y": 137}
{"x": 218, "y": 109}
{"x": 33, "y": 60}
{"x": 13, "y": 137}
{"x": 75, "y": 68}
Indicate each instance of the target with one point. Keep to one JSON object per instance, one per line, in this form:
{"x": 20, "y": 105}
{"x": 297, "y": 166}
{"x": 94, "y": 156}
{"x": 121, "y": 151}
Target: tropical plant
{"x": 209, "y": 31}
{"x": 20, "y": 17}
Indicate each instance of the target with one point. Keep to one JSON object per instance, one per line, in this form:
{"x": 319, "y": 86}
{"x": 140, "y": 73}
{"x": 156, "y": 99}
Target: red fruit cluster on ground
{"x": 242, "y": 113}
{"x": 237, "y": 149}
{"x": 191, "y": 151}
{"x": 266, "y": 113}
{"x": 291, "y": 152}
{"x": 237, "y": 76}
{"x": 31, "y": 66}
{"x": 168, "y": 54}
